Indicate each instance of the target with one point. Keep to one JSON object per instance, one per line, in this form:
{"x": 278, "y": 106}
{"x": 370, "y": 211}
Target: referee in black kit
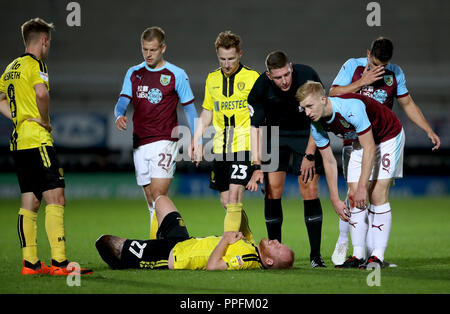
{"x": 272, "y": 99}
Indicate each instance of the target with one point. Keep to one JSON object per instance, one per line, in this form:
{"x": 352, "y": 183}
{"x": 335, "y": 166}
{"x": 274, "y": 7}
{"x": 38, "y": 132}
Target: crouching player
{"x": 376, "y": 159}
{"x": 175, "y": 249}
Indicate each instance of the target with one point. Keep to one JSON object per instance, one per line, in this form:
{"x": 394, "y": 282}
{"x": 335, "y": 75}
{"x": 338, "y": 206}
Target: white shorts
{"x": 388, "y": 162}
{"x": 155, "y": 160}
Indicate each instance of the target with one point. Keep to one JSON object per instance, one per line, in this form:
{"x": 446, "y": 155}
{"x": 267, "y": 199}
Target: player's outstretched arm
{"x": 195, "y": 149}
{"x": 120, "y": 111}
{"x": 307, "y": 168}
{"x": 258, "y": 175}
{"x": 368, "y": 144}
{"x": 415, "y": 115}
{"x": 215, "y": 261}
{"x": 330, "y": 167}
{"x": 4, "y": 106}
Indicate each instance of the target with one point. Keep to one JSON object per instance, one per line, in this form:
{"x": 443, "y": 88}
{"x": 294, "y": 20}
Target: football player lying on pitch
{"x": 175, "y": 249}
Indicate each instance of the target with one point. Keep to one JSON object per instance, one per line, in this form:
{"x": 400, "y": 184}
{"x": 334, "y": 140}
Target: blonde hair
{"x": 34, "y": 27}
{"x": 228, "y": 40}
{"x": 309, "y": 88}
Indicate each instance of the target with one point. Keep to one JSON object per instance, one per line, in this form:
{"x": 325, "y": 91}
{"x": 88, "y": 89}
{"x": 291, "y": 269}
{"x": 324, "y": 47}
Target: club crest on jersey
{"x": 241, "y": 86}
{"x": 344, "y": 123}
{"x": 236, "y": 261}
{"x": 154, "y": 96}
{"x": 164, "y": 79}
{"x": 388, "y": 79}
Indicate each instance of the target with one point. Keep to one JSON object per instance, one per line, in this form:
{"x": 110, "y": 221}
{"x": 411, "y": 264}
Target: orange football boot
{"x": 30, "y": 269}
{"x": 63, "y": 269}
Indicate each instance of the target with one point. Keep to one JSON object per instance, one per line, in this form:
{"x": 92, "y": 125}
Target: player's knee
{"x": 157, "y": 193}
{"x": 274, "y": 191}
{"x": 224, "y": 199}
{"x": 55, "y": 196}
{"x": 224, "y": 203}
{"x": 309, "y": 191}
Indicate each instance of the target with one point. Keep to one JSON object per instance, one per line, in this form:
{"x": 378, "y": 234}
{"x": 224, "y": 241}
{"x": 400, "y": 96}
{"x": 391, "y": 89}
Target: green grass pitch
{"x": 419, "y": 245}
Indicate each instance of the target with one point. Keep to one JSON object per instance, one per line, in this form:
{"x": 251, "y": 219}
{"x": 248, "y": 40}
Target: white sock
{"x": 380, "y": 229}
{"x": 358, "y": 231}
{"x": 369, "y": 239}
{"x": 343, "y": 231}
{"x": 344, "y": 228}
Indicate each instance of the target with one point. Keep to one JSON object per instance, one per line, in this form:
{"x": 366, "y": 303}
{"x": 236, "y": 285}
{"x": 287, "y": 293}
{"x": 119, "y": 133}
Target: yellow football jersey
{"x": 194, "y": 254}
{"x": 226, "y": 97}
{"x": 18, "y": 82}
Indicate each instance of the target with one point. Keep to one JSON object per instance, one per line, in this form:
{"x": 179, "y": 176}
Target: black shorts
{"x": 232, "y": 169}
{"x": 38, "y": 170}
{"x": 154, "y": 254}
{"x": 291, "y": 152}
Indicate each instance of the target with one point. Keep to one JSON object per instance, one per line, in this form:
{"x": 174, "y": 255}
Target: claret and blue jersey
{"x": 384, "y": 90}
{"x": 353, "y": 115}
{"x": 155, "y": 94}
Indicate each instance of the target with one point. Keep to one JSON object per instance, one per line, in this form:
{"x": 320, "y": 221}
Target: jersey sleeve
{"x": 37, "y": 74}
{"x": 402, "y": 91}
{"x": 344, "y": 77}
{"x": 242, "y": 255}
{"x": 127, "y": 88}
{"x": 2, "y": 84}
{"x": 183, "y": 88}
{"x": 320, "y": 136}
{"x": 255, "y": 101}
{"x": 208, "y": 101}
{"x": 357, "y": 116}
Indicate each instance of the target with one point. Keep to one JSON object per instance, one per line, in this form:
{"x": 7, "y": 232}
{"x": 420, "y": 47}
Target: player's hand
{"x": 196, "y": 153}
{"x": 371, "y": 75}
{"x": 307, "y": 170}
{"x": 435, "y": 140}
{"x": 191, "y": 151}
{"x": 257, "y": 176}
{"x": 358, "y": 199}
{"x": 121, "y": 123}
{"x": 44, "y": 124}
{"x": 231, "y": 237}
{"x": 342, "y": 210}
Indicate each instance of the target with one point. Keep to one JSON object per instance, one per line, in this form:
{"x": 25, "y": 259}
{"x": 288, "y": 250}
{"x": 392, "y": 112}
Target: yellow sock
{"x": 153, "y": 226}
{"x": 54, "y": 225}
{"x": 233, "y": 217}
{"x": 27, "y": 229}
{"x": 245, "y": 229}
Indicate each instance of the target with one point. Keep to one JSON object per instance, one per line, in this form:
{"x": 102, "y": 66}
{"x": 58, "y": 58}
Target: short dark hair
{"x": 154, "y": 32}
{"x": 382, "y": 49}
{"x": 276, "y": 60}
{"x": 33, "y": 27}
{"x": 228, "y": 40}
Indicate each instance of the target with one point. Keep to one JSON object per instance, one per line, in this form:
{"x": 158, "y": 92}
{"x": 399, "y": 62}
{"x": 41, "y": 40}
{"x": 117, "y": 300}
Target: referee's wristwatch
{"x": 310, "y": 157}
{"x": 256, "y": 167}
